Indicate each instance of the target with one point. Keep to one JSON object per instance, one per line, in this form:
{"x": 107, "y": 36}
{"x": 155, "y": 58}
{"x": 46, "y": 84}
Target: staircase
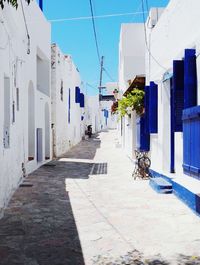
{"x": 161, "y": 185}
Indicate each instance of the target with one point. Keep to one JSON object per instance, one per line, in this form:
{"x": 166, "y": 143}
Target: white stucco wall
{"x": 93, "y": 113}
{"x": 131, "y": 53}
{"x": 65, "y": 133}
{"x": 131, "y": 63}
{"x": 176, "y": 30}
{"x": 21, "y": 68}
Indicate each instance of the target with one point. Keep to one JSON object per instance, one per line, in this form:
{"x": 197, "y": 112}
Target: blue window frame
{"x": 82, "y": 100}
{"x": 77, "y": 94}
{"x": 177, "y": 102}
{"x": 153, "y": 108}
{"x": 190, "y": 79}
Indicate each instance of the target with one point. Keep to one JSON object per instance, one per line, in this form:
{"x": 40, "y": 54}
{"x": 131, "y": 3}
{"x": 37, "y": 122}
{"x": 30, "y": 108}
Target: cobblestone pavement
{"x": 85, "y": 208}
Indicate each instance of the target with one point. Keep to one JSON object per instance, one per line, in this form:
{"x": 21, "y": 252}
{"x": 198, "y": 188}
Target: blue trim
{"x": 77, "y": 94}
{"x": 82, "y": 100}
{"x": 41, "y": 4}
{"x": 178, "y": 94}
{"x": 190, "y": 79}
{"x": 172, "y": 141}
{"x": 153, "y": 108}
{"x": 191, "y": 199}
{"x": 146, "y": 106}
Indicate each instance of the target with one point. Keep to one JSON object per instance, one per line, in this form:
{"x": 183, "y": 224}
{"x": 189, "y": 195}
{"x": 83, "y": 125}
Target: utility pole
{"x": 101, "y": 76}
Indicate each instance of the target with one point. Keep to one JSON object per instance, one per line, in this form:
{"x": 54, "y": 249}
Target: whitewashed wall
{"x": 21, "y": 69}
{"x": 65, "y": 74}
{"x": 93, "y": 113}
{"x": 177, "y": 29}
{"x": 131, "y": 63}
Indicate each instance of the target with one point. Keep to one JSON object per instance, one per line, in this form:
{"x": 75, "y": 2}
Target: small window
{"x": 7, "y": 113}
{"x": 17, "y": 98}
{"x": 13, "y": 112}
{"x": 61, "y": 91}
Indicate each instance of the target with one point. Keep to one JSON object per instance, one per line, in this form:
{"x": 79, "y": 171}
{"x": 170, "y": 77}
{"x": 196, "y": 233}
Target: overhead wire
{"x": 94, "y": 30}
{"x": 108, "y": 74}
{"x": 95, "y": 17}
{"x": 146, "y": 41}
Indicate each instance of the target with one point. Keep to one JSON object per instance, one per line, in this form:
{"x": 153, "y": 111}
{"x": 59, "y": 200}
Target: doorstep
{"x": 184, "y": 187}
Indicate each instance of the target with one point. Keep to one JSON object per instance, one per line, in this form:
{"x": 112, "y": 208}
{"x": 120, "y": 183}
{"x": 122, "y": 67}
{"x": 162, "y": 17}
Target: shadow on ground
{"x": 89, "y": 146}
{"x": 39, "y": 227}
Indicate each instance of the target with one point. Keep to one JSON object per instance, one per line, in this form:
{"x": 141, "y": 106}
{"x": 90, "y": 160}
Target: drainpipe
{"x": 41, "y": 4}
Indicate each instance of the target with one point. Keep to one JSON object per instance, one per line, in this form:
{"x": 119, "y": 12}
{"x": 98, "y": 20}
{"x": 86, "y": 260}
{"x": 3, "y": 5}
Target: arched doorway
{"x": 31, "y": 122}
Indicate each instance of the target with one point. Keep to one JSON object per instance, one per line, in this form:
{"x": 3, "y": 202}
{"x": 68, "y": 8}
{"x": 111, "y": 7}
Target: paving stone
{"x": 86, "y": 209}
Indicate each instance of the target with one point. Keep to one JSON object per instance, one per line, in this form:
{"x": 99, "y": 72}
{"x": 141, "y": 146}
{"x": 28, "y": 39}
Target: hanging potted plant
{"x": 134, "y": 100}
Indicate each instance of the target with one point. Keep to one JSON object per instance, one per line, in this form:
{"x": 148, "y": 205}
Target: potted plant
{"x": 134, "y": 100}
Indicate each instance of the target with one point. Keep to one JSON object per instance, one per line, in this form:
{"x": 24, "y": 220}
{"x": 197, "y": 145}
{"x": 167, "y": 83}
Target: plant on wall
{"x": 134, "y": 100}
{"x": 14, "y": 3}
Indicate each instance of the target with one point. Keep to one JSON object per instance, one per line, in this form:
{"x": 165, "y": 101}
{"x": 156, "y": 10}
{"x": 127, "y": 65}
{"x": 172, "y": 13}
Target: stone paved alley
{"x": 85, "y": 208}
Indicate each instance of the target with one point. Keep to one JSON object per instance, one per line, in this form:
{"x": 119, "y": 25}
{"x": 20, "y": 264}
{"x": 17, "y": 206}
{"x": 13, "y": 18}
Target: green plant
{"x": 134, "y": 100}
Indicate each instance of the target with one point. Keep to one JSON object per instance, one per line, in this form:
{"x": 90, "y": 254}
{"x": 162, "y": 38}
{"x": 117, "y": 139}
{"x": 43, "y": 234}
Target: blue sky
{"x": 76, "y": 37}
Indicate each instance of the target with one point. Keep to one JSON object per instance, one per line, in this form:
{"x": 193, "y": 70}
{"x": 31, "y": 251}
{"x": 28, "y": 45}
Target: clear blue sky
{"x": 76, "y": 37}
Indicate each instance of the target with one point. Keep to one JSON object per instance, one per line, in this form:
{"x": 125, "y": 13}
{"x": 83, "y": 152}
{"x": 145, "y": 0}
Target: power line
{"x": 107, "y": 73}
{"x": 94, "y": 29}
{"x": 100, "y": 16}
{"x": 146, "y": 42}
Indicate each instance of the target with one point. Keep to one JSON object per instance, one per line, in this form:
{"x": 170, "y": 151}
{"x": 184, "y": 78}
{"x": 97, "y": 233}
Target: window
{"x": 61, "y": 91}
{"x": 7, "y": 114}
{"x": 77, "y": 94}
{"x": 190, "y": 79}
{"x": 177, "y": 95}
{"x": 17, "y": 98}
{"x": 153, "y": 108}
{"x": 82, "y": 100}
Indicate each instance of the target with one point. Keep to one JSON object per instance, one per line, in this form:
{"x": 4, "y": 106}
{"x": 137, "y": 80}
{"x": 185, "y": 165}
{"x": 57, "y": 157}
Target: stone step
{"x": 161, "y": 185}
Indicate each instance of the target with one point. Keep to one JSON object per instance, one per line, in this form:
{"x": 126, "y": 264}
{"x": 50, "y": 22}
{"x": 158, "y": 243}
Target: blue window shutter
{"x": 41, "y": 4}
{"x": 82, "y": 100}
{"x": 190, "y": 79}
{"x": 146, "y": 106}
{"x": 153, "y": 108}
{"x": 69, "y": 106}
{"x": 77, "y": 95}
{"x": 191, "y": 141}
{"x": 178, "y": 94}
{"x": 144, "y": 137}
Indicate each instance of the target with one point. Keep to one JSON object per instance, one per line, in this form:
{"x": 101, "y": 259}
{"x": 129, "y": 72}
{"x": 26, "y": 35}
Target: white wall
{"x": 131, "y": 53}
{"x": 93, "y": 113}
{"x": 174, "y": 32}
{"x": 131, "y": 63}
{"x": 65, "y": 74}
{"x": 21, "y": 68}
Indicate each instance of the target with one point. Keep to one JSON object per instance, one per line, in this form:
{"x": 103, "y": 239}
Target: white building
{"x": 173, "y": 74}
{"x": 68, "y": 113}
{"x": 24, "y": 94}
{"x": 131, "y": 64}
{"x": 93, "y": 113}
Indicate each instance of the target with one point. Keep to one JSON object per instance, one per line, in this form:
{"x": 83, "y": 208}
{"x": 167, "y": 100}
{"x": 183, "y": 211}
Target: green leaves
{"x": 14, "y": 3}
{"x": 133, "y": 101}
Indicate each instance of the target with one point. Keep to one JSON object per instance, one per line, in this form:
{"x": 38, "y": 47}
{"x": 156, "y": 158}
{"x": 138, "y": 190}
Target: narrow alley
{"x": 85, "y": 208}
